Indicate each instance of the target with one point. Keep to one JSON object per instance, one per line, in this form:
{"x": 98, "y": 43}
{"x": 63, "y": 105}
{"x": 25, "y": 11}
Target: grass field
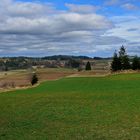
{"x": 88, "y": 108}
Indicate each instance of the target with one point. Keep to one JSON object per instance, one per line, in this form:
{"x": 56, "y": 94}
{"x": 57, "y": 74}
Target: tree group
{"x": 121, "y": 61}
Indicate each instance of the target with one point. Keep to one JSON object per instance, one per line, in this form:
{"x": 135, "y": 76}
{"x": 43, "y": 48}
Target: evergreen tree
{"x": 122, "y": 51}
{"x": 88, "y": 66}
{"x": 125, "y": 64}
{"x": 136, "y": 63}
{"x": 116, "y": 63}
{"x": 34, "y": 79}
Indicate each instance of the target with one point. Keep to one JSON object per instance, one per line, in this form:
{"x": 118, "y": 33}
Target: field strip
{"x": 28, "y": 87}
{"x": 69, "y": 76}
{"x": 87, "y": 75}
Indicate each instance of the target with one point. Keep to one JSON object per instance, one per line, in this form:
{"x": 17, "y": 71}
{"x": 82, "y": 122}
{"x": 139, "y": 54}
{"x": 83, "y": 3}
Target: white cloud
{"x": 10, "y": 7}
{"x": 112, "y": 2}
{"x": 129, "y": 6}
{"x": 32, "y": 28}
{"x": 128, "y": 28}
{"x": 53, "y": 24}
{"x": 82, "y": 8}
{"x": 123, "y": 26}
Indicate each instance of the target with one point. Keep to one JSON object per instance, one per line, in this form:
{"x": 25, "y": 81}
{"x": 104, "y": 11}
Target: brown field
{"x": 21, "y": 78}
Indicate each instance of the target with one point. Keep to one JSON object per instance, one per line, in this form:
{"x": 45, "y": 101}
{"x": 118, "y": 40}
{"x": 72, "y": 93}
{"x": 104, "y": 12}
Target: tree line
{"x": 121, "y": 61}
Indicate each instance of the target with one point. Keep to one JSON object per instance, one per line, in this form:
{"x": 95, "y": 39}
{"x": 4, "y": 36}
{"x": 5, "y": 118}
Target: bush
{"x": 34, "y": 79}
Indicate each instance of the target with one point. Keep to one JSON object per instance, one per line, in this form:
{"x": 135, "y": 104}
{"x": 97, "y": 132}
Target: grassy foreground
{"x": 105, "y": 108}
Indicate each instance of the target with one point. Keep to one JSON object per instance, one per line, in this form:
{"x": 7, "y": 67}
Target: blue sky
{"x": 110, "y": 9}
{"x": 69, "y": 27}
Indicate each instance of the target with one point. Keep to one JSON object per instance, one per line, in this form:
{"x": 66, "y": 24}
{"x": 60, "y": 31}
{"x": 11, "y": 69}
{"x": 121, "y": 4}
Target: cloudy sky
{"x": 70, "y": 27}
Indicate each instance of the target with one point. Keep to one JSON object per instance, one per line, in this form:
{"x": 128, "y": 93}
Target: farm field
{"x": 74, "y": 108}
{"x": 21, "y": 78}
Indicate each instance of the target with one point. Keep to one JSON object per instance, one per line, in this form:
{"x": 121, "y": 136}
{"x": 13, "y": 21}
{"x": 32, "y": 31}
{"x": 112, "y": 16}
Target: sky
{"x": 39, "y": 28}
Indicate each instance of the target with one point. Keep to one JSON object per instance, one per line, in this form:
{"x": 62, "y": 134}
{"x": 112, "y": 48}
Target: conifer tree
{"x": 125, "y": 62}
{"x": 34, "y": 79}
{"x": 135, "y": 63}
{"x": 88, "y": 66}
{"x": 116, "y": 63}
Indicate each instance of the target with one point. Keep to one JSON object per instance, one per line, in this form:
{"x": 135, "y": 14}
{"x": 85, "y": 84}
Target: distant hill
{"x": 56, "y": 57}
{"x": 102, "y": 58}
{"x": 65, "y": 57}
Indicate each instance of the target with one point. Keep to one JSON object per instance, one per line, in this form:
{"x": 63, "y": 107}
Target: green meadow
{"x": 88, "y": 108}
